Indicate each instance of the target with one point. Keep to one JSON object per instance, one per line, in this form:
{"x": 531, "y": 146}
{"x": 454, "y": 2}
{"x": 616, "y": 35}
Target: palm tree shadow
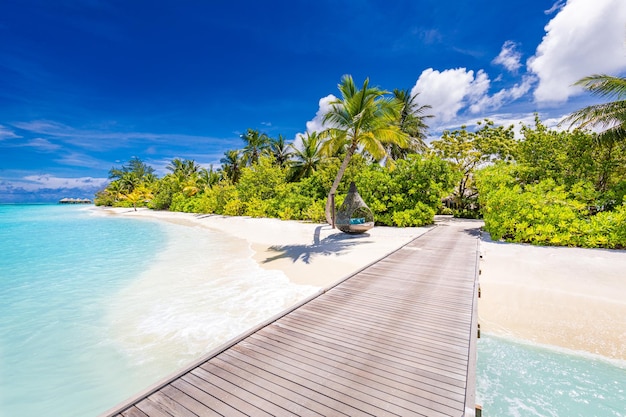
{"x": 331, "y": 245}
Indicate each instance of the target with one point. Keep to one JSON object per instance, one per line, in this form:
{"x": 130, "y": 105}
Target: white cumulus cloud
{"x": 450, "y": 90}
{"x": 584, "y": 38}
{"x": 317, "y": 124}
{"x": 509, "y": 57}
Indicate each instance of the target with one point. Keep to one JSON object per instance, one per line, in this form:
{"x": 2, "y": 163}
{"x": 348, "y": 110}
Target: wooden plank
{"x": 340, "y": 388}
{"x": 188, "y": 402}
{"x": 341, "y": 340}
{"x": 396, "y": 339}
{"x": 308, "y": 386}
{"x": 170, "y": 405}
{"x": 224, "y": 391}
{"x": 396, "y": 318}
{"x": 309, "y": 382}
{"x": 355, "y": 384}
{"x": 388, "y": 347}
{"x": 278, "y": 387}
{"x": 253, "y": 394}
{"x": 152, "y": 409}
{"x": 382, "y": 369}
{"x": 360, "y": 373}
{"x": 134, "y": 412}
{"x": 394, "y": 364}
{"x": 203, "y": 397}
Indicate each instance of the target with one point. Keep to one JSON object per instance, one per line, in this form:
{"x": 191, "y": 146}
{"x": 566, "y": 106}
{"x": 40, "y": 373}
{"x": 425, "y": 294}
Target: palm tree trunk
{"x": 333, "y": 188}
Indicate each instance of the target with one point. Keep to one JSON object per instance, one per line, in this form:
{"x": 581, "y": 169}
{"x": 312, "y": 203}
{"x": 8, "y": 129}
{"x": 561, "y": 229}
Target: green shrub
{"x": 421, "y": 215}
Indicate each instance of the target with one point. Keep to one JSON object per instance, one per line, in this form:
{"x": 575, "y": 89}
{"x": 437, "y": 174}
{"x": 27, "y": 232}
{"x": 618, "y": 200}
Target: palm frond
{"x": 604, "y": 85}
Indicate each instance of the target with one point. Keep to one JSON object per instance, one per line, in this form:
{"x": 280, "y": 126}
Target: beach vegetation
{"x": 256, "y": 145}
{"x": 130, "y": 186}
{"x": 363, "y": 118}
{"x": 562, "y": 188}
{"x": 541, "y": 185}
{"x": 609, "y": 118}
{"x": 308, "y": 157}
{"x": 232, "y": 164}
{"x": 280, "y": 150}
{"x": 411, "y": 121}
{"x": 467, "y": 151}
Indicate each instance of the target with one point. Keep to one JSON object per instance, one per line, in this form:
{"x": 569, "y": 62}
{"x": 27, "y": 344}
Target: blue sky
{"x": 86, "y": 85}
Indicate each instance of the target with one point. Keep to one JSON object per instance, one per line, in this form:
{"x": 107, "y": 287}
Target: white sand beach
{"x": 567, "y": 297}
{"x": 573, "y": 298}
{"x": 308, "y": 253}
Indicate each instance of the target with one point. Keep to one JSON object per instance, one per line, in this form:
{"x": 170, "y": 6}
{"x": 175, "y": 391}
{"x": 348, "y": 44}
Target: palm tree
{"x": 280, "y": 150}
{"x": 257, "y": 144}
{"x": 307, "y": 159}
{"x": 134, "y": 165}
{"x": 609, "y": 117}
{"x": 232, "y": 164}
{"x": 186, "y": 175}
{"x": 207, "y": 178}
{"x": 412, "y": 123}
{"x": 363, "y": 119}
{"x": 183, "y": 167}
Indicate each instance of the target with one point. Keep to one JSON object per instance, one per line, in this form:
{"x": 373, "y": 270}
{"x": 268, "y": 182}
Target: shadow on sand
{"x": 333, "y": 244}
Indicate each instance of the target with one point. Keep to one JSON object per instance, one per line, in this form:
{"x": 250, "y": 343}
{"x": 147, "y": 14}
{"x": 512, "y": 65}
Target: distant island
{"x": 75, "y": 201}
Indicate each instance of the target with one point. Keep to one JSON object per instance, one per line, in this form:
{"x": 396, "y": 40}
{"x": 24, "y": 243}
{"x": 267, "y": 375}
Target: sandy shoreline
{"x": 567, "y": 297}
{"x": 308, "y": 253}
{"x": 573, "y": 298}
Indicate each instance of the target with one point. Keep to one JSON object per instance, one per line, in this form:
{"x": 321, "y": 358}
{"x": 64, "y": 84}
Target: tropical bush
{"x": 547, "y": 213}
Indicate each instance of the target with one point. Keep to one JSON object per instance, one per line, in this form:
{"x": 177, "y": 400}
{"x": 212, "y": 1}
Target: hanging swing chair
{"x": 354, "y": 216}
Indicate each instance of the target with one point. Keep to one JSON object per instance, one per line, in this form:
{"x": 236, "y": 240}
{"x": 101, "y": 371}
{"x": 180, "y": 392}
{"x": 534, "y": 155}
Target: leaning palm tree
{"x": 362, "y": 118}
{"x": 609, "y": 117}
{"x": 307, "y": 158}
{"x": 411, "y": 122}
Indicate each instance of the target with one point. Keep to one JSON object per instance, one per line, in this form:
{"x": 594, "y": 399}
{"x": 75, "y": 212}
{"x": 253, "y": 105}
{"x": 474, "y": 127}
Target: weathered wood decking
{"x": 395, "y": 339}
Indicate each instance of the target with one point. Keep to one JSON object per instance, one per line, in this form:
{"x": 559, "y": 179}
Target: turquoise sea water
{"x": 58, "y": 267}
{"x": 522, "y": 379}
{"x": 95, "y": 308}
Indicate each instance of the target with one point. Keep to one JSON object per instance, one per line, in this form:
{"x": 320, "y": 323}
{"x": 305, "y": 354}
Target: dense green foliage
{"x": 408, "y": 195}
{"x": 564, "y": 188}
{"x": 539, "y": 186}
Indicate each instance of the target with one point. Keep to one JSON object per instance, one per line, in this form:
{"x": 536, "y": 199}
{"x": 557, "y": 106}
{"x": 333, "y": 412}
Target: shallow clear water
{"x": 522, "y": 379}
{"x": 95, "y": 308}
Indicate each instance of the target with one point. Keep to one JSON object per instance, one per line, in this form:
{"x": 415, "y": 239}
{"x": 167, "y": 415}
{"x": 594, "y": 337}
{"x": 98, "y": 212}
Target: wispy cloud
{"x": 558, "y": 5}
{"x": 42, "y": 145}
{"x": 36, "y": 182}
{"x": 102, "y": 140}
{"x": 5, "y": 133}
{"x": 502, "y": 97}
{"x": 509, "y": 57}
{"x": 78, "y": 159}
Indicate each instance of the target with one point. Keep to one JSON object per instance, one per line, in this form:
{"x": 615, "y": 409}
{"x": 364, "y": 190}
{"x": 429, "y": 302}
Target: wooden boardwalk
{"x": 397, "y": 338}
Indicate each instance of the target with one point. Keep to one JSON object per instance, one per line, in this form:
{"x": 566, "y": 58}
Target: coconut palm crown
{"x": 609, "y": 117}
{"x": 364, "y": 119}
